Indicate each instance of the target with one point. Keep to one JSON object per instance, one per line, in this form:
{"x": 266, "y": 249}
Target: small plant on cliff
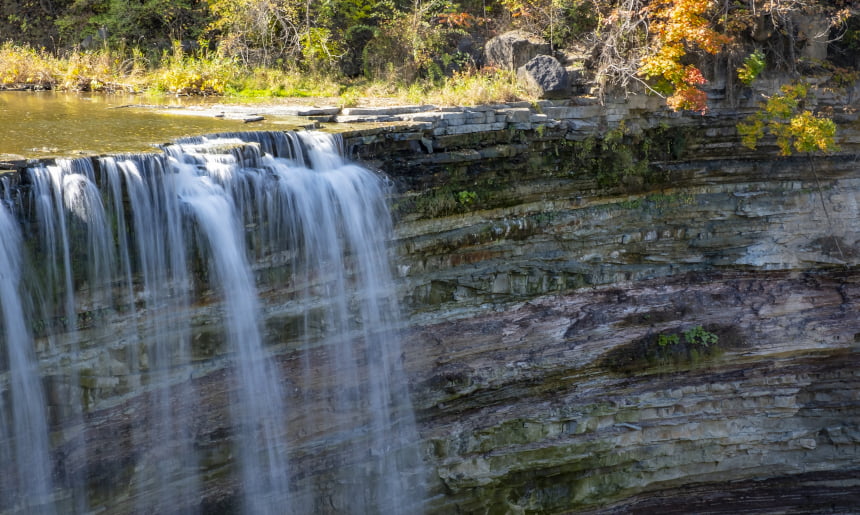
{"x": 664, "y": 339}
{"x": 753, "y": 65}
{"x": 466, "y": 197}
{"x": 699, "y": 336}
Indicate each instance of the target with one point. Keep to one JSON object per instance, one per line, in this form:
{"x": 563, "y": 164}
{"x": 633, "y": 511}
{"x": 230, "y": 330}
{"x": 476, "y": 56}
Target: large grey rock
{"x": 544, "y": 77}
{"x": 815, "y": 30}
{"x": 513, "y": 49}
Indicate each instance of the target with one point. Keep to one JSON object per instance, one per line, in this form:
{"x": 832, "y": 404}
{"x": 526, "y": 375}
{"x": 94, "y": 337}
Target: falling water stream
{"x": 23, "y": 425}
{"x": 124, "y": 253}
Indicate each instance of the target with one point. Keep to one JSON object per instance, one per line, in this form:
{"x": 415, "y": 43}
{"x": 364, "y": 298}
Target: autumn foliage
{"x": 678, "y": 27}
{"x": 795, "y": 128}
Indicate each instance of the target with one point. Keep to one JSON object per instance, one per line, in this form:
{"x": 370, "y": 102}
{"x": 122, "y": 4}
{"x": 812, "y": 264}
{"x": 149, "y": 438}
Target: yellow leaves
{"x": 677, "y": 25}
{"x": 786, "y": 103}
{"x": 751, "y": 132}
{"x": 682, "y": 21}
{"x": 811, "y": 133}
{"x": 22, "y": 65}
{"x": 203, "y": 73}
{"x": 794, "y": 129}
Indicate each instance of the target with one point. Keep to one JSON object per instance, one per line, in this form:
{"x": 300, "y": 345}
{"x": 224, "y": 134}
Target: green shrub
{"x": 699, "y": 336}
{"x": 667, "y": 339}
{"x": 753, "y": 65}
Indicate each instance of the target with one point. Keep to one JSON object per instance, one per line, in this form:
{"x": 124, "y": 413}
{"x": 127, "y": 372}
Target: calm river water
{"x": 42, "y": 124}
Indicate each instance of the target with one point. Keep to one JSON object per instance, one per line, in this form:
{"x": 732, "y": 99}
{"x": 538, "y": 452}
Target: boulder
{"x": 544, "y": 77}
{"x": 513, "y": 49}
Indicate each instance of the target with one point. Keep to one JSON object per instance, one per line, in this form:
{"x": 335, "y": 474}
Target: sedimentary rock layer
{"x": 599, "y": 318}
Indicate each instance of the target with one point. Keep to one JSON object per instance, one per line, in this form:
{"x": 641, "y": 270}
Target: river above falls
{"x": 47, "y": 123}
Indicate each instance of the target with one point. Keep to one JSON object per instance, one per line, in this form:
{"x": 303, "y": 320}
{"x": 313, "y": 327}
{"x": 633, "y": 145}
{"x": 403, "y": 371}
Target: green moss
{"x": 436, "y": 203}
{"x": 630, "y": 204}
{"x": 673, "y": 349}
{"x": 512, "y": 432}
{"x": 87, "y": 378}
{"x": 660, "y": 201}
{"x": 623, "y": 159}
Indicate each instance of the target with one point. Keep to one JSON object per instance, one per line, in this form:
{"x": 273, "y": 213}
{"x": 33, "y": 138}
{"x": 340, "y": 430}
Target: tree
{"x": 796, "y": 129}
{"x": 678, "y": 25}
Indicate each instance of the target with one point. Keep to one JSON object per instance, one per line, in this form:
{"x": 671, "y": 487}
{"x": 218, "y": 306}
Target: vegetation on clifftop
{"x": 352, "y": 48}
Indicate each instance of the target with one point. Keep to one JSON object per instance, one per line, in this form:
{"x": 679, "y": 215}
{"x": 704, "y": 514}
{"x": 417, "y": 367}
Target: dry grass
{"x": 483, "y": 87}
{"x": 211, "y": 73}
{"x": 466, "y": 88}
{"x": 24, "y": 66}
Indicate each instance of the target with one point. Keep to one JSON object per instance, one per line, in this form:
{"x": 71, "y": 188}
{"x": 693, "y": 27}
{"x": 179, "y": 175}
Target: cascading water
{"x": 24, "y": 448}
{"x": 248, "y": 270}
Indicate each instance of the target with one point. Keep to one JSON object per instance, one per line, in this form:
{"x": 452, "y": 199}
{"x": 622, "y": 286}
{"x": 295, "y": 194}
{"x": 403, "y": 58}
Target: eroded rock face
{"x": 814, "y": 31}
{"x": 528, "y": 409}
{"x": 537, "y": 308}
{"x": 538, "y": 270}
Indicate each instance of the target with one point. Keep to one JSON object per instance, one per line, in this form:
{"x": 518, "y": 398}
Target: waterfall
{"x": 247, "y": 270}
{"x": 24, "y": 449}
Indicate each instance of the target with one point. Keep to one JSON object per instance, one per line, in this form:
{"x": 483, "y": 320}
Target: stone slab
{"x": 386, "y": 111}
{"x": 365, "y": 118}
{"x": 308, "y": 111}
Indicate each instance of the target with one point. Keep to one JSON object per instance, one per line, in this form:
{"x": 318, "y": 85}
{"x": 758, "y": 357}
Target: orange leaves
{"x": 690, "y": 98}
{"x": 677, "y": 25}
{"x": 520, "y": 12}
{"x": 519, "y": 8}
{"x": 693, "y": 75}
{"x": 464, "y": 20}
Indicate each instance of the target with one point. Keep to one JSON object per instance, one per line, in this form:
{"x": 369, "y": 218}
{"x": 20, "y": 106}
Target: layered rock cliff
{"x": 550, "y": 279}
{"x": 609, "y": 308}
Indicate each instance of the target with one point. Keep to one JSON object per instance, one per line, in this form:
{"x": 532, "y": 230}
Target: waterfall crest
{"x": 239, "y": 282}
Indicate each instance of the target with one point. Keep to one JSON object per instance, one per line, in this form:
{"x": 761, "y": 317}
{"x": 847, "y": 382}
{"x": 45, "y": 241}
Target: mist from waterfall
{"x": 250, "y": 228}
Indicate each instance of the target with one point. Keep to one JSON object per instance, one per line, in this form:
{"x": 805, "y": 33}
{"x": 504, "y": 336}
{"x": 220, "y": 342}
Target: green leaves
{"x": 697, "y": 335}
{"x": 753, "y": 65}
{"x": 668, "y": 339}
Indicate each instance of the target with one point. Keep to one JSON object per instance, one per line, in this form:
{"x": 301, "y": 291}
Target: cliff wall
{"x": 551, "y": 272}
{"x": 609, "y": 308}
